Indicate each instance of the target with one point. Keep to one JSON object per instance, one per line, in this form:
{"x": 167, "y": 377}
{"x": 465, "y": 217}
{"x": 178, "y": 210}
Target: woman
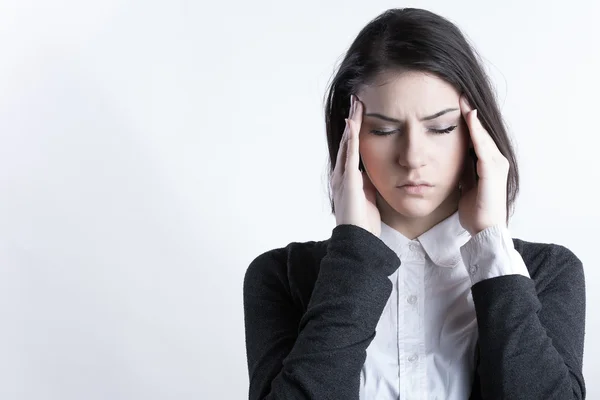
{"x": 420, "y": 293}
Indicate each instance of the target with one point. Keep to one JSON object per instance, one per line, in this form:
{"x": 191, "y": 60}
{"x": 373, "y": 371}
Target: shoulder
{"x": 290, "y": 270}
{"x": 549, "y": 263}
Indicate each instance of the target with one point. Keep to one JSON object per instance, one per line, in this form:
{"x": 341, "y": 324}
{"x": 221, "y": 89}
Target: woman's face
{"x": 419, "y": 146}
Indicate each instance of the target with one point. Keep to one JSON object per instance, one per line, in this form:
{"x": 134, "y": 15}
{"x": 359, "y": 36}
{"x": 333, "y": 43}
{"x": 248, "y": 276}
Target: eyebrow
{"x": 428, "y": 118}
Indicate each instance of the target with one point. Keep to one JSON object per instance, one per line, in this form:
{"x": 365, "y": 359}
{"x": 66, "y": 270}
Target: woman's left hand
{"x": 483, "y": 202}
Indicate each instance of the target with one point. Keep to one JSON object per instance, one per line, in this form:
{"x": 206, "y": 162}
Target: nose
{"x": 412, "y": 149}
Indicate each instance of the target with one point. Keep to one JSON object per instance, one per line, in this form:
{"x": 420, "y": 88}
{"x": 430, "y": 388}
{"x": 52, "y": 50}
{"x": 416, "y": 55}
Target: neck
{"x": 414, "y": 226}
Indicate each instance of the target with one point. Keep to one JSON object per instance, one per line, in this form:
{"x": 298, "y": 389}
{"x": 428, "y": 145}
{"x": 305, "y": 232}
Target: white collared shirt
{"x": 424, "y": 347}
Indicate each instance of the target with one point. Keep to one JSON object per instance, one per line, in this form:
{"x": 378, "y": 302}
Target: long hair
{"x": 411, "y": 39}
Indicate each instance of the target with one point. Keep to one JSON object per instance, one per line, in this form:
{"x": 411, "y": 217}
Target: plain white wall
{"x": 150, "y": 150}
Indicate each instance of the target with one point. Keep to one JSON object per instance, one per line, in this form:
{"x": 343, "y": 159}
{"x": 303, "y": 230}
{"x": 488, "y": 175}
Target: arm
{"x": 317, "y": 355}
{"x": 531, "y": 345}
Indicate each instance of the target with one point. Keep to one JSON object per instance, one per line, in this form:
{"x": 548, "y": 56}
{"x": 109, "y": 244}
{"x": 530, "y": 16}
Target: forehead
{"x": 408, "y": 92}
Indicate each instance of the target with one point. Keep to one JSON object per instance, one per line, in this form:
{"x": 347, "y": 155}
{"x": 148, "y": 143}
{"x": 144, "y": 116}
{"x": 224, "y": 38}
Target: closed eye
{"x": 446, "y": 130}
{"x": 434, "y": 131}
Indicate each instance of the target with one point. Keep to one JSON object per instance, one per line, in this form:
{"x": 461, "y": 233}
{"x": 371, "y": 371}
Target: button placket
{"x": 411, "y": 299}
{"x": 415, "y": 251}
{"x": 410, "y": 331}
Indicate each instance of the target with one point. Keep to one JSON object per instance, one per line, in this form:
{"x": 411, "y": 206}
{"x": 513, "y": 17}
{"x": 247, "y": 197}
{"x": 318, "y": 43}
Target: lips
{"x": 415, "y": 190}
{"x": 416, "y": 183}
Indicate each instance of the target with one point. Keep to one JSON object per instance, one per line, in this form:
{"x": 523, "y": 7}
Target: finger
{"x": 481, "y": 139}
{"x": 341, "y": 155}
{"x": 353, "y": 157}
{"x": 357, "y": 114}
{"x": 342, "y": 149}
{"x": 467, "y": 110}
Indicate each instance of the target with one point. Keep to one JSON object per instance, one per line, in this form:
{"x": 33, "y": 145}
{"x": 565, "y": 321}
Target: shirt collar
{"x": 441, "y": 243}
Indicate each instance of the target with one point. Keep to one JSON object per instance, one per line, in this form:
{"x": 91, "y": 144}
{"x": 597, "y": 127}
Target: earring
{"x": 460, "y": 188}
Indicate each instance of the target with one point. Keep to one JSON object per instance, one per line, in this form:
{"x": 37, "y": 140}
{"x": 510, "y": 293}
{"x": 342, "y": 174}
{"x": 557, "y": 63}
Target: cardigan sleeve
{"x": 530, "y": 343}
{"x": 317, "y": 354}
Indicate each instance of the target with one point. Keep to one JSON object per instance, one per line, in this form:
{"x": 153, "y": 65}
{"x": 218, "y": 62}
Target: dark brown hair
{"x": 416, "y": 40}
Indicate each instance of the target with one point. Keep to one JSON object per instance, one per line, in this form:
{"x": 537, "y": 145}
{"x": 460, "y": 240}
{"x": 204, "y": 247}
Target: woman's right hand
{"x": 354, "y": 195}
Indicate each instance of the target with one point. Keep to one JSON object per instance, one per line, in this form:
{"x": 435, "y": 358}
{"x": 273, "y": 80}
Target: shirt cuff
{"x": 491, "y": 253}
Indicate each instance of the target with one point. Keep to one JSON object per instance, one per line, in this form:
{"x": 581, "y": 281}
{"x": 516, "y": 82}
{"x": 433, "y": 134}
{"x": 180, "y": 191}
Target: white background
{"x": 151, "y": 149}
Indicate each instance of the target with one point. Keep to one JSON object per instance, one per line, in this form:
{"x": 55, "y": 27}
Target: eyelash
{"x": 435, "y": 131}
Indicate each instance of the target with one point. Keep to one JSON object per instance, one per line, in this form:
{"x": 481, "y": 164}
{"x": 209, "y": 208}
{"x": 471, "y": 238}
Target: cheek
{"x": 372, "y": 150}
{"x": 366, "y": 147}
{"x": 450, "y": 156}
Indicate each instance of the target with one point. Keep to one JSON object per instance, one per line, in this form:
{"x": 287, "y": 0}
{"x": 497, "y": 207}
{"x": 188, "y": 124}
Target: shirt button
{"x": 413, "y": 358}
{"x": 412, "y": 299}
{"x": 473, "y": 269}
{"x": 413, "y": 247}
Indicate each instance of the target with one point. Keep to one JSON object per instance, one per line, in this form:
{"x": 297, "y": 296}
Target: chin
{"x": 414, "y": 208}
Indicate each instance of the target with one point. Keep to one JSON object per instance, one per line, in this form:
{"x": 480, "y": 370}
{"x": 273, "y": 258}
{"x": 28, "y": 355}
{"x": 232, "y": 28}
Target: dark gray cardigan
{"x": 311, "y": 309}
